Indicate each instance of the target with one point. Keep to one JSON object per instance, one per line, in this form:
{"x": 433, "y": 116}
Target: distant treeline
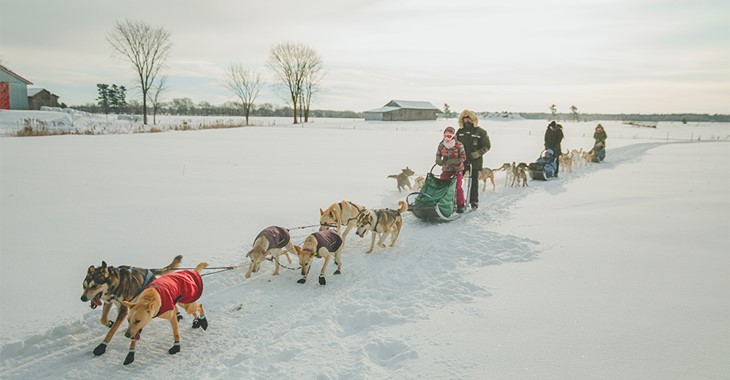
{"x": 681, "y": 117}
{"x": 185, "y": 107}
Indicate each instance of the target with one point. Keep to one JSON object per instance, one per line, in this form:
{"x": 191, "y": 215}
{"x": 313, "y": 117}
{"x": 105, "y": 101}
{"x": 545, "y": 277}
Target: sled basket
{"x": 436, "y": 200}
{"x": 544, "y": 167}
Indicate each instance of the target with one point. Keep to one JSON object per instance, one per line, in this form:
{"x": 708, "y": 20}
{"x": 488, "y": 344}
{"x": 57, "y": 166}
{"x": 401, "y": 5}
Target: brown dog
{"x": 112, "y": 286}
{"x": 274, "y": 241}
{"x": 402, "y": 178}
{"x": 159, "y": 299}
{"x": 381, "y": 223}
{"x": 340, "y": 214}
{"x": 519, "y": 174}
{"x": 321, "y": 244}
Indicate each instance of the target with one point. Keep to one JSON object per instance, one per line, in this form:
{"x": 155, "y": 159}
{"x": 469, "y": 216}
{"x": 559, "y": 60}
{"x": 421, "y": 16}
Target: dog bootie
{"x": 100, "y": 349}
{"x": 174, "y": 349}
{"x": 200, "y": 322}
{"x": 179, "y": 316}
{"x": 322, "y": 281}
{"x": 302, "y": 280}
{"x": 130, "y": 357}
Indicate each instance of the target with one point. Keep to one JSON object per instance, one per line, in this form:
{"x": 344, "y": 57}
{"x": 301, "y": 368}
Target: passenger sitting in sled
{"x": 450, "y": 154}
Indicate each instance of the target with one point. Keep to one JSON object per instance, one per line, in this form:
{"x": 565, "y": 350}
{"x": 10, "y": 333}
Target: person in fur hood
{"x": 476, "y": 144}
{"x": 553, "y": 138}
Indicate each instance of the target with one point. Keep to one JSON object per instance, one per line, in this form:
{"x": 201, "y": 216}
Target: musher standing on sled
{"x": 476, "y": 144}
{"x": 553, "y": 138}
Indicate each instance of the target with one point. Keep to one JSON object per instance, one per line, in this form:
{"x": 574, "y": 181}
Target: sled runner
{"x": 436, "y": 202}
{"x": 544, "y": 167}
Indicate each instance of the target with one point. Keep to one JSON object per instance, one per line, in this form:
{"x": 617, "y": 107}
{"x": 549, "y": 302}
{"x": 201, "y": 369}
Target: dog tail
{"x": 393, "y": 176}
{"x": 170, "y": 268}
{"x": 201, "y": 266}
{"x": 402, "y": 207}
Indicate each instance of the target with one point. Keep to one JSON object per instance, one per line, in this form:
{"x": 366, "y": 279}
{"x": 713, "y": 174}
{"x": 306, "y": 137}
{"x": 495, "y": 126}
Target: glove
{"x": 439, "y": 160}
{"x": 452, "y": 162}
{"x": 474, "y": 155}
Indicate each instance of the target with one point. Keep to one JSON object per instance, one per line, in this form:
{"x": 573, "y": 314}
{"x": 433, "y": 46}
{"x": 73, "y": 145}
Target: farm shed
{"x": 39, "y": 97}
{"x": 403, "y": 110}
{"x": 13, "y": 90}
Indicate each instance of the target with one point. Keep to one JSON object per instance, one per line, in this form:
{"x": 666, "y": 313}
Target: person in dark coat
{"x": 599, "y": 146}
{"x": 553, "y": 138}
{"x": 476, "y": 144}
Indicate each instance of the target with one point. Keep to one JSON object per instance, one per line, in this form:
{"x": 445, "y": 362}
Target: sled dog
{"x": 519, "y": 174}
{"x": 112, "y": 285}
{"x": 272, "y": 241}
{"x": 566, "y": 162}
{"x": 418, "y": 183}
{"x": 321, "y": 244}
{"x": 160, "y": 299}
{"x": 402, "y": 178}
{"x": 340, "y": 214}
{"x": 382, "y": 222}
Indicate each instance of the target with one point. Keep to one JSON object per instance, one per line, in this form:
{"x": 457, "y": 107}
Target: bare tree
{"x": 146, "y": 48}
{"x": 245, "y": 84}
{"x": 313, "y": 75}
{"x": 156, "y": 97}
{"x": 297, "y": 67}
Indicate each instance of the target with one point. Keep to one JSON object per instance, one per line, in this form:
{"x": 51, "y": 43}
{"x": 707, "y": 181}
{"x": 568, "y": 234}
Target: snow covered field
{"x": 618, "y": 270}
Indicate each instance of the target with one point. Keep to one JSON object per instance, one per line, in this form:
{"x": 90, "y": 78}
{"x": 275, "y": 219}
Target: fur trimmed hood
{"x": 469, "y": 113}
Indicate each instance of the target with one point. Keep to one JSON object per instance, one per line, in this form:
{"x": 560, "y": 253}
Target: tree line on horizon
{"x": 186, "y": 107}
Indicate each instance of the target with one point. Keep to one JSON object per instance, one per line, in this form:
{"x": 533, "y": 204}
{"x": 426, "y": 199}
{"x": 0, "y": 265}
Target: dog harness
{"x": 278, "y": 237}
{"x": 329, "y": 239}
{"x": 393, "y": 214}
{"x": 185, "y": 286}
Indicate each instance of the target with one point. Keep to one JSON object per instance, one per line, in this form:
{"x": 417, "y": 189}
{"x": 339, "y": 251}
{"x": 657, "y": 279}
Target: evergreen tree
{"x": 103, "y": 100}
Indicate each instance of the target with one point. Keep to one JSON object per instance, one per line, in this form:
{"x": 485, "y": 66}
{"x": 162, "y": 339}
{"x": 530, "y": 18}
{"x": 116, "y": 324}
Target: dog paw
{"x": 130, "y": 358}
{"x": 174, "y": 349}
{"x": 179, "y": 316}
{"x": 100, "y": 349}
{"x": 338, "y": 272}
{"x": 302, "y": 280}
{"x": 322, "y": 281}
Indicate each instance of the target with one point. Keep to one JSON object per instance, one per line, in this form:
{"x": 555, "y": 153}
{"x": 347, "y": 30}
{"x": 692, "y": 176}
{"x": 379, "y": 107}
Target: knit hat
{"x": 449, "y": 131}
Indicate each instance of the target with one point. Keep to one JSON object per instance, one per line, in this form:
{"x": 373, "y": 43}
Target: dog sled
{"x": 436, "y": 202}
{"x": 599, "y": 153}
{"x": 545, "y": 167}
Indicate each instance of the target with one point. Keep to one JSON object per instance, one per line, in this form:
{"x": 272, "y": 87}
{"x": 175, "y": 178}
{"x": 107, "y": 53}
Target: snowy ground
{"x": 619, "y": 270}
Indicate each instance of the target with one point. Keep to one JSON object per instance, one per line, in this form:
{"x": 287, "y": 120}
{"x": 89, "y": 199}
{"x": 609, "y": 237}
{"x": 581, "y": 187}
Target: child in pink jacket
{"x": 451, "y": 155}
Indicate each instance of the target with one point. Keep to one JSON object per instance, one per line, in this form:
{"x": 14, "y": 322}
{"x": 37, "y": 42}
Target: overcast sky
{"x": 603, "y": 56}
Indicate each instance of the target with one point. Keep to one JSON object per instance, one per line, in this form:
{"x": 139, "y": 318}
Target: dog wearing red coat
{"x": 159, "y": 299}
